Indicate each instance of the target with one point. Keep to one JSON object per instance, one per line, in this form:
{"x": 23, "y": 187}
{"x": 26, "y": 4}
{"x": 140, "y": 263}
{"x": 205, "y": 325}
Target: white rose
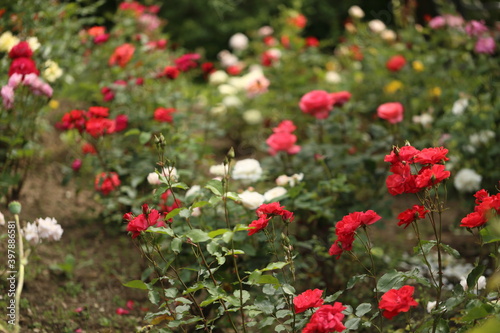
{"x": 282, "y": 180}
{"x": 154, "y": 178}
{"x": 219, "y": 170}
{"x": 251, "y": 199}
{"x": 238, "y": 42}
{"x": 170, "y": 173}
{"x": 296, "y": 178}
{"x": 388, "y": 35}
{"x": 33, "y": 43}
{"x": 252, "y": 117}
{"x": 467, "y": 180}
{"x": 482, "y": 137}
{"x": 274, "y": 193}
{"x": 356, "y": 12}
{"x": 424, "y": 119}
{"x": 265, "y": 31}
{"x": 376, "y": 26}
{"x": 333, "y": 77}
{"x": 431, "y": 306}
{"x": 227, "y": 89}
{"x": 481, "y": 283}
{"x": 231, "y": 101}
{"x": 227, "y": 58}
{"x": 218, "y": 77}
{"x": 459, "y": 106}
{"x": 49, "y": 229}
{"x": 247, "y": 169}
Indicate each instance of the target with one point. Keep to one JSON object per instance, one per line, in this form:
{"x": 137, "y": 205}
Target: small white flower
{"x": 467, "y": 180}
{"x": 356, "y": 12}
{"x": 218, "y": 109}
{"x": 459, "y": 106}
{"x": 232, "y": 101}
{"x": 2, "y": 219}
{"x": 251, "y": 199}
{"x": 238, "y": 42}
{"x": 481, "y": 283}
{"x": 218, "y": 77}
{"x": 195, "y": 189}
{"x": 333, "y": 77}
{"x": 482, "y": 137}
{"x": 170, "y": 173}
{"x": 274, "y": 193}
{"x": 154, "y": 179}
{"x": 388, "y": 35}
{"x": 30, "y": 233}
{"x": 247, "y": 169}
{"x": 282, "y": 180}
{"x": 376, "y": 26}
{"x": 296, "y": 178}
{"x": 252, "y": 117}
{"x": 219, "y": 170}
{"x": 431, "y": 306}
{"x": 425, "y": 119}
{"x": 49, "y": 229}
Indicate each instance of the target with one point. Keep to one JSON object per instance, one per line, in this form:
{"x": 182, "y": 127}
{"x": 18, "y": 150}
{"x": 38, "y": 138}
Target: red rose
{"x": 431, "y": 176}
{"x": 473, "y": 220}
{"x": 258, "y": 224}
{"x": 405, "y": 154}
{"x": 395, "y": 63}
{"x": 283, "y": 141}
{"x": 392, "y": 112}
{"x": 121, "y": 122}
{"x": 327, "y": 319}
{"x": 98, "y": 112}
{"x": 170, "y": 72}
{"x": 307, "y": 300}
{"x": 99, "y": 126}
{"x": 76, "y": 165}
{"x": 208, "y": 67}
{"x": 122, "y": 55}
{"x": 285, "y": 41}
{"x": 412, "y": 214}
{"x": 340, "y": 98}
{"x": 140, "y": 223}
{"x": 88, "y": 148}
{"x": 21, "y": 50}
{"x": 285, "y": 126}
{"x": 298, "y": 20}
{"x": 106, "y": 182}
{"x": 73, "y": 119}
{"x": 101, "y": 39}
{"x": 23, "y": 66}
{"x": 317, "y": 103}
{"x": 397, "y": 300}
{"x": 312, "y": 42}
{"x": 234, "y": 69}
{"x": 164, "y": 115}
{"x": 268, "y": 58}
{"x": 274, "y": 209}
{"x": 432, "y": 155}
{"x": 187, "y": 61}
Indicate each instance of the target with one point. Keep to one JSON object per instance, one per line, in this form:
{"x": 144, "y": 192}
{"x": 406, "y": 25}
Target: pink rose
{"x": 485, "y": 45}
{"x": 282, "y": 141}
{"x": 317, "y": 103}
{"x": 8, "y": 97}
{"x": 392, "y": 112}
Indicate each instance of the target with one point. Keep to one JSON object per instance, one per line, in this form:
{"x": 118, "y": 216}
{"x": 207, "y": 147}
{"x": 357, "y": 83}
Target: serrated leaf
{"x": 274, "y": 265}
{"x": 390, "y": 280}
{"x": 426, "y": 247}
{"x": 138, "y": 284}
{"x": 217, "y": 232}
{"x": 176, "y": 245}
{"x": 474, "y": 275}
{"x": 352, "y": 324}
{"x": 280, "y": 328}
{"x": 353, "y": 280}
{"x": 363, "y": 309}
{"x": 197, "y": 235}
{"x": 215, "y": 186}
{"x": 333, "y": 297}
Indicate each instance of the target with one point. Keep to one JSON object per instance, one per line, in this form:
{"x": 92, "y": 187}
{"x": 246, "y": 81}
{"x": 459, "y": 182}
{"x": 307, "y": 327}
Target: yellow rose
{"x": 435, "y": 92}
{"x": 418, "y": 66}
{"x": 8, "y": 41}
{"x": 393, "y": 86}
{"x": 54, "y": 104}
{"x": 52, "y": 71}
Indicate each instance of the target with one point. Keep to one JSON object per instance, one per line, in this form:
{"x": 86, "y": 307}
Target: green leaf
{"x": 474, "y": 275}
{"x": 450, "y": 250}
{"x": 352, "y": 324}
{"x": 134, "y": 131}
{"x": 161, "y": 230}
{"x": 363, "y": 309}
{"x": 176, "y": 245}
{"x": 390, "y": 280}
{"x": 210, "y": 300}
{"x": 333, "y": 297}
{"x": 426, "y": 247}
{"x": 180, "y": 185}
{"x": 185, "y": 213}
{"x": 264, "y": 305}
{"x": 217, "y": 232}
{"x": 280, "y": 328}
{"x": 215, "y": 186}
{"x": 199, "y": 204}
{"x": 355, "y": 279}
{"x": 171, "y": 292}
{"x": 154, "y": 297}
{"x": 138, "y": 284}
{"x": 172, "y": 213}
{"x": 233, "y": 196}
{"x": 245, "y": 296}
{"x": 442, "y": 326}
{"x": 198, "y": 235}
{"x": 144, "y": 137}
{"x": 479, "y": 312}
{"x": 283, "y": 313}
{"x": 194, "y": 288}
{"x": 274, "y": 265}
{"x": 488, "y": 236}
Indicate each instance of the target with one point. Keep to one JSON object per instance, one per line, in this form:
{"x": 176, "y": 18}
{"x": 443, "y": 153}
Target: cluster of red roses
{"x": 22, "y": 63}
{"x": 486, "y": 206}
{"x": 95, "y": 121}
{"x": 346, "y": 228}
{"x": 282, "y": 139}
{"x": 430, "y": 173}
{"x": 328, "y": 318}
{"x": 140, "y": 223}
{"x": 267, "y": 211}
{"x": 319, "y": 103}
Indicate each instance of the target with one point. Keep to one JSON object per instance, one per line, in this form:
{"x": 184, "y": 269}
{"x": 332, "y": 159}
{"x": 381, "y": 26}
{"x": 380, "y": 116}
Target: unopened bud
{"x": 15, "y": 207}
{"x": 160, "y": 141}
{"x": 230, "y": 154}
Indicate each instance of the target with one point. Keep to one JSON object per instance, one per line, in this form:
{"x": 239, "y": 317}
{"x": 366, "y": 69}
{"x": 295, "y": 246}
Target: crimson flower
{"x": 431, "y": 176}
{"x": 312, "y": 42}
{"x": 285, "y": 126}
{"x": 397, "y": 300}
{"x": 405, "y": 154}
{"x": 106, "y": 182}
{"x": 412, "y": 214}
{"x": 258, "y": 225}
{"x": 170, "y": 72}
{"x": 23, "y": 66}
{"x": 97, "y": 127}
{"x": 121, "y": 122}
{"x": 298, "y": 20}
{"x": 73, "y": 119}
{"x": 98, "y": 112}
{"x": 274, "y": 209}
{"x": 317, "y": 103}
{"x": 164, "y": 115}
{"x": 395, "y": 63}
{"x": 486, "y": 205}
{"x": 187, "y": 61}
{"x": 307, "y": 300}
{"x": 21, "y": 50}
{"x": 327, "y": 319}
{"x": 392, "y": 112}
{"x": 122, "y": 55}
{"x": 341, "y": 97}
{"x": 140, "y": 223}
{"x": 432, "y": 155}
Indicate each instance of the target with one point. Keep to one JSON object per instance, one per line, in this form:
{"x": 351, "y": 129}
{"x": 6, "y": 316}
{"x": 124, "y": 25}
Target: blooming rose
{"x": 459, "y": 106}
{"x": 475, "y": 28}
{"x": 164, "y": 115}
{"x": 258, "y": 225}
{"x": 99, "y": 126}
{"x": 397, "y": 300}
{"x": 21, "y": 50}
{"x": 52, "y": 71}
{"x": 7, "y": 93}
{"x": 106, "y": 182}
{"x": 219, "y": 170}
{"x": 311, "y": 42}
{"x": 238, "y": 42}
{"x": 283, "y": 141}
{"x": 341, "y": 97}
{"x": 187, "y": 61}
{"x": 412, "y": 214}
{"x": 247, "y": 169}
{"x": 170, "y": 72}
{"x": 392, "y": 112}
{"x": 431, "y": 155}
{"x": 485, "y": 45}
{"x": 7, "y": 41}
{"x": 437, "y": 22}
{"x": 356, "y": 12}
{"x": 376, "y": 26}
{"x": 23, "y": 66}
{"x": 317, "y": 103}
{"x": 432, "y": 176}
{"x": 218, "y": 77}
{"x": 274, "y": 193}
{"x": 140, "y": 223}
{"x": 122, "y": 55}
{"x": 327, "y": 319}
{"x": 395, "y": 63}
{"x": 121, "y": 122}
{"x": 467, "y": 180}
{"x": 76, "y": 165}
{"x": 307, "y": 300}
{"x": 274, "y": 209}
{"x": 298, "y": 20}
{"x": 73, "y": 119}
{"x": 251, "y": 199}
